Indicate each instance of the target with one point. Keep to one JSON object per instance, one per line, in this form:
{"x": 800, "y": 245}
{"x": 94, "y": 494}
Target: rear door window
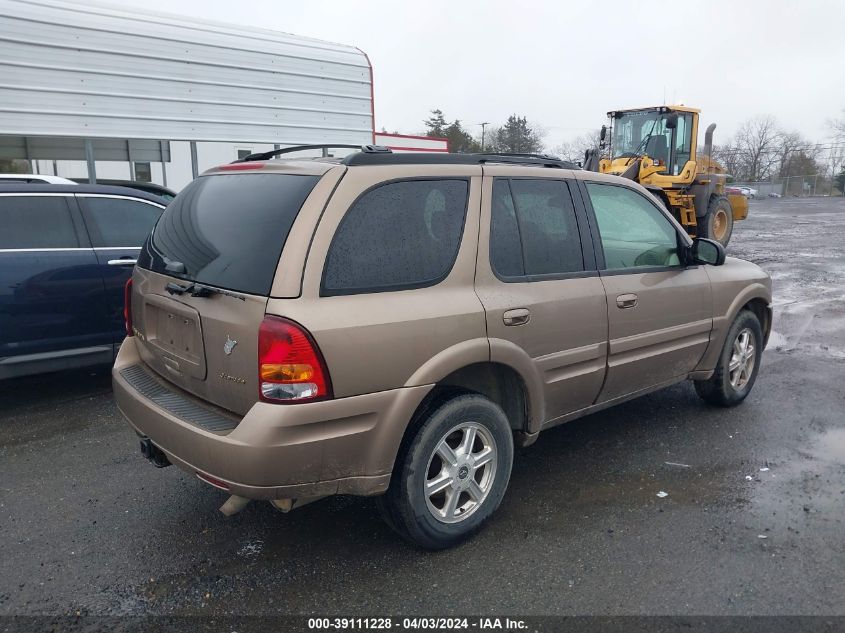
{"x": 36, "y": 222}
{"x": 227, "y": 230}
{"x": 118, "y": 222}
{"x": 399, "y": 235}
{"x": 534, "y": 231}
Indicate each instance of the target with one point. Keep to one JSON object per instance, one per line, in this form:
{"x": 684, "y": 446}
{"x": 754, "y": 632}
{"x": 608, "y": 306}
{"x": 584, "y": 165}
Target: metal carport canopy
{"x": 98, "y": 71}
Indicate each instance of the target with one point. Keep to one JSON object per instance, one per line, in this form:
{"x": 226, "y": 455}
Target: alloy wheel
{"x": 743, "y": 358}
{"x": 460, "y": 472}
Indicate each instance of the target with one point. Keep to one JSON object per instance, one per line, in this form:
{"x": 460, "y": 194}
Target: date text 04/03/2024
{"x": 416, "y": 623}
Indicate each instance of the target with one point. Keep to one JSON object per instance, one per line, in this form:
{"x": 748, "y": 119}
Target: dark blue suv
{"x": 65, "y": 254}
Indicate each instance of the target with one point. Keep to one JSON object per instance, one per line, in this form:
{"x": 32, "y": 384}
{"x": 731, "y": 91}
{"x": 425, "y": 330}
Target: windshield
{"x": 642, "y": 132}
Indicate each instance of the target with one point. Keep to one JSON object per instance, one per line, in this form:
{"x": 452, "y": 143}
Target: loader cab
{"x": 665, "y": 135}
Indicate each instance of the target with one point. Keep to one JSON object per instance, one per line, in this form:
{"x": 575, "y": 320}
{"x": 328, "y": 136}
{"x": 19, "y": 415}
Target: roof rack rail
{"x": 366, "y": 149}
{"x": 437, "y": 158}
{"x": 521, "y": 155}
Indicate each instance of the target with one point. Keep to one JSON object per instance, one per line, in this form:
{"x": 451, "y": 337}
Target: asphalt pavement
{"x": 753, "y": 521}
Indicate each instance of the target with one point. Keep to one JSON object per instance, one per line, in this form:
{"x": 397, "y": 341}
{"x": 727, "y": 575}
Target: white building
{"x": 162, "y": 97}
{"x": 412, "y": 143}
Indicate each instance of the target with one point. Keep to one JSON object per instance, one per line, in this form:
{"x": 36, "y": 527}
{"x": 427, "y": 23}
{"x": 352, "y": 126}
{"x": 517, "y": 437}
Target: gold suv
{"x": 392, "y": 324}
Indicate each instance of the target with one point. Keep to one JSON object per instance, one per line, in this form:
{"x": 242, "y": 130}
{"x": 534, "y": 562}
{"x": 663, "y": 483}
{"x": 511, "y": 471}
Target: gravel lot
{"x": 89, "y": 526}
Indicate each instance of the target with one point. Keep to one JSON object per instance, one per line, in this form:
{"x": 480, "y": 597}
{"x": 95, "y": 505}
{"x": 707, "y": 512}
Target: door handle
{"x": 626, "y": 301}
{"x": 122, "y": 262}
{"x": 518, "y": 316}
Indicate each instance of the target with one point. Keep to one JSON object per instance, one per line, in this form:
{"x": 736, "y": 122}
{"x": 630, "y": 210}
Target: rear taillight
{"x": 290, "y": 367}
{"x": 127, "y": 306}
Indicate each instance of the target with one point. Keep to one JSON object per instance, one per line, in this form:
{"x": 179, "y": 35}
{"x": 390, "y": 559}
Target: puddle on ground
{"x": 692, "y": 485}
{"x": 831, "y": 446}
{"x": 776, "y": 341}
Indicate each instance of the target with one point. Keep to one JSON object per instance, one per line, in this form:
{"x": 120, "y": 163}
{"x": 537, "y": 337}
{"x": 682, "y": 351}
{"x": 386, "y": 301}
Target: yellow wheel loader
{"x": 656, "y": 147}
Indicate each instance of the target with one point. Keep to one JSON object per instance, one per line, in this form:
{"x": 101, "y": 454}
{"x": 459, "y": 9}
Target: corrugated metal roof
{"x": 99, "y": 71}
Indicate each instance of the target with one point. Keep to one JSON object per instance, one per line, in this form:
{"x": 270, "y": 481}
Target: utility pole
{"x": 483, "y": 129}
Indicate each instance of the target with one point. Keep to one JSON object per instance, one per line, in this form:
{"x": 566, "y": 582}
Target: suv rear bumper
{"x": 343, "y": 446}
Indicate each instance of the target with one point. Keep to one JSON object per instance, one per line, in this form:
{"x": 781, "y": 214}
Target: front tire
{"x": 738, "y": 365}
{"x": 718, "y": 223}
{"x": 452, "y": 475}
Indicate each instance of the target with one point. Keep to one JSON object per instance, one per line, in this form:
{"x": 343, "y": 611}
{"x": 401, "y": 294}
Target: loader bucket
{"x": 739, "y": 205}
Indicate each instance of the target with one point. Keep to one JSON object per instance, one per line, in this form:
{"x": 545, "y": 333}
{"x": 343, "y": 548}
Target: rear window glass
{"x": 400, "y": 235}
{"x": 228, "y": 231}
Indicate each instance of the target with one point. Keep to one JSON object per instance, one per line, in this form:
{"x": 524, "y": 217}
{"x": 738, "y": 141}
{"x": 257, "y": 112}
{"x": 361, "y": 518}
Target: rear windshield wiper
{"x": 198, "y": 290}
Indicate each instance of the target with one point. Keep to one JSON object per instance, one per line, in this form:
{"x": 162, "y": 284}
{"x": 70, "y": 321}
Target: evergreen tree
{"x": 460, "y": 141}
{"x": 517, "y": 136}
{"x": 436, "y": 124}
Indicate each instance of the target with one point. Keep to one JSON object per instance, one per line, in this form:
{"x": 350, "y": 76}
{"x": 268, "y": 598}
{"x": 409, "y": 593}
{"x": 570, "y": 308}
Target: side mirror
{"x": 704, "y": 251}
{"x": 603, "y": 134}
{"x": 671, "y": 120}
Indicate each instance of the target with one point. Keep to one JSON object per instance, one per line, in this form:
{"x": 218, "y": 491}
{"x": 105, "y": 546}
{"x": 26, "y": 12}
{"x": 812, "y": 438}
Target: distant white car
{"x": 35, "y": 178}
{"x": 748, "y": 192}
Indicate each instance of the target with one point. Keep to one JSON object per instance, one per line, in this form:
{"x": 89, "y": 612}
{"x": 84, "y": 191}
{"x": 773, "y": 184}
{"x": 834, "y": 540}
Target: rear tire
{"x": 451, "y": 476}
{"x": 718, "y": 222}
{"x": 738, "y": 364}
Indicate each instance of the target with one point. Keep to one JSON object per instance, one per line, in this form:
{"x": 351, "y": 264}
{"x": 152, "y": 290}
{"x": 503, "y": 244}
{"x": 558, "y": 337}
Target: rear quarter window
{"x": 228, "y": 230}
{"x": 396, "y": 236}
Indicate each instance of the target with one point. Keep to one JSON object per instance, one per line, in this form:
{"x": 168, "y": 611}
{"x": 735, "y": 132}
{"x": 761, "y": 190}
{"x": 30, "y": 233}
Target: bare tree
{"x": 757, "y": 142}
{"x": 573, "y": 150}
{"x": 796, "y": 155}
{"x": 836, "y": 160}
{"x": 836, "y": 156}
{"x": 837, "y": 126}
{"x": 761, "y": 149}
{"x": 730, "y": 157}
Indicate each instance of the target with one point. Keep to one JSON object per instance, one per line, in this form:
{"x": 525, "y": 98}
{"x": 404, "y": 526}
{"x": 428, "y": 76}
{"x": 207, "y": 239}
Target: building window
{"x": 143, "y": 172}
{"x": 243, "y": 153}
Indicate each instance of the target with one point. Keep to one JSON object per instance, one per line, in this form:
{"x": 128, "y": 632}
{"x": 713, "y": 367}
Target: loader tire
{"x": 718, "y": 223}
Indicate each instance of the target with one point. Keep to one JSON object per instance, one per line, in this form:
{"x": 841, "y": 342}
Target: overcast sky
{"x": 565, "y": 64}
